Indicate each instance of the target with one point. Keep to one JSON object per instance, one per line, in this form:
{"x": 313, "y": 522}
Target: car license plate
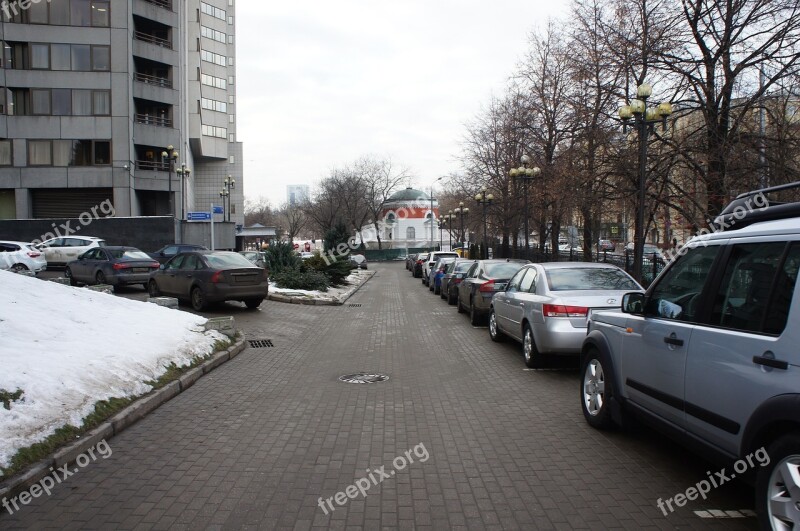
{"x": 140, "y": 269}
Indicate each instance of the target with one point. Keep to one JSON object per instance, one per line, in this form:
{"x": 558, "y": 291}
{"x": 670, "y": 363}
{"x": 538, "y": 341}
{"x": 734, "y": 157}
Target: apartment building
{"x": 94, "y": 93}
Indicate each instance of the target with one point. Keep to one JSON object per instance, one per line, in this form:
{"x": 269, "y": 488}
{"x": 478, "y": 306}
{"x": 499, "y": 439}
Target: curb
{"x": 320, "y": 302}
{"x": 116, "y": 424}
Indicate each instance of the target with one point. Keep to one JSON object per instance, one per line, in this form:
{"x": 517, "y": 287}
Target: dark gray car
{"x": 483, "y": 280}
{"x": 204, "y": 277}
{"x": 117, "y": 266}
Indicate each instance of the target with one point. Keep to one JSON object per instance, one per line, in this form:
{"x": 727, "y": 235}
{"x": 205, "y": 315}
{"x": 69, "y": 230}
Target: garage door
{"x": 69, "y": 203}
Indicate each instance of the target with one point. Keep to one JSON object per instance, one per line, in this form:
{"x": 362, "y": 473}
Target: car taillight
{"x": 556, "y": 310}
{"x": 456, "y": 280}
{"x": 155, "y": 265}
{"x": 487, "y": 286}
{"x": 215, "y": 277}
{"x": 34, "y": 254}
{"x": 118, "y": 266}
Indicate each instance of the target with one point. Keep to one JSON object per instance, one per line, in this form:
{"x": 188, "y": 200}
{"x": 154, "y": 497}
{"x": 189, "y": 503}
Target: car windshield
{"x": 129, "y": 255}
{"x": 503, "y": 269}
{"x": 226, "y": 260}
{"x": 589, "y": 278}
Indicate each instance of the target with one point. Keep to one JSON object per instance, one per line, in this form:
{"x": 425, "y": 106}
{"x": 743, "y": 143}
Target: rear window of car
{"x": 594, "y": 278}
{"x": 129, "y": 255}
{"x": 227, "y": 260}
{"x": 462, "y": 267}
{"x": 503, "y": 269}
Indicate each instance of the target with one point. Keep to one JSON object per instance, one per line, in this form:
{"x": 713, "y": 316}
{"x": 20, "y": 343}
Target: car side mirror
{"x": 162, "y": 266}
{"x": 633, "y": 303}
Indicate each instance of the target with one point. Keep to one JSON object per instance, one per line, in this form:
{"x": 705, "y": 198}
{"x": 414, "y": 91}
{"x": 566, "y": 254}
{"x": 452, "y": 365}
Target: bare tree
{"x": 381, "y": 178}
{"x": 293, "y": 218}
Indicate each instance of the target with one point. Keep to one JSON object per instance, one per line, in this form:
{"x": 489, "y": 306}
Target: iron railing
{"x": 150, "y": 119}
{"x": 152, "y": 80}
{"x": 152, "y": 39}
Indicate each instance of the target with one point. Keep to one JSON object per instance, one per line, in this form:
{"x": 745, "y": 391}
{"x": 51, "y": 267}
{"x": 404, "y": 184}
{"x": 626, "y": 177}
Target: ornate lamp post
{"x": 484, "y": 200}
{"x": 644, "y": 120}
{"x": 525, "y": 174}
{"x": 184, "y": 172}
{"x": 228, "y": 184}
{"x": 170, "y": 156}
{"x": 461, "y": 211}
{"x": 432, "y": 216}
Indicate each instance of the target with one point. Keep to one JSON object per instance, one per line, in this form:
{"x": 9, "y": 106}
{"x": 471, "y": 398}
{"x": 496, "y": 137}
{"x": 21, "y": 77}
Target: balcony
{"x": 152, "y": 39}
{"x": 151, "y": 119}
{"x": 166, "y": 4}
{"x": 152, "y": 80}
{"x": 151, "y": 165}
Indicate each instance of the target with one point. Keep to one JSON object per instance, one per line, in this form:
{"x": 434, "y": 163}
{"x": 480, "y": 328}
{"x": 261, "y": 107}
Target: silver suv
{"x": 709, "y": 353}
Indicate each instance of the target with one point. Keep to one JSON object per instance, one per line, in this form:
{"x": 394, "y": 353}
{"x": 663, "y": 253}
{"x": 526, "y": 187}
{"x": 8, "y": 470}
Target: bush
{"x": 281, "y": 256}
{"x": 335, "y": 271}
{"x": 336, "y": 235}
{"x": 301, "y": 278}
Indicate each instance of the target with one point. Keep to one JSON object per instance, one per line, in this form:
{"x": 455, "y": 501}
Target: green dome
{"x": 409, "y": 194}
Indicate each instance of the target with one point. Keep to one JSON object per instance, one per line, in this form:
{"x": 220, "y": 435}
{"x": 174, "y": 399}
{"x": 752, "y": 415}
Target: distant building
{"x": 408, "y": 219}
{"x": 297, "y": 193}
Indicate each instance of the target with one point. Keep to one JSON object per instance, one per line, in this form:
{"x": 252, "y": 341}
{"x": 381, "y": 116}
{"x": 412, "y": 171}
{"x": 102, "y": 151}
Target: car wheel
{"x": 431, "y": 287}
{"x": 68, "y": 274}
{"x": 451, "y": 297}
{"x": 436, "y": 289}
{"x": 494, "y": 334}
{"x": 17, "y": 268}
{"x": 253, "y": 303}
{"x": 474, "y": 318}
{"x": 596, "y": 390}
{"x": 458, "y": 302}
{"x": 533, "y": 358}
{"x": 778, "y": 484}
{"x": 198, "y": 299}
{"x": 152, "y": 289}
{"x": 100, "y": 278}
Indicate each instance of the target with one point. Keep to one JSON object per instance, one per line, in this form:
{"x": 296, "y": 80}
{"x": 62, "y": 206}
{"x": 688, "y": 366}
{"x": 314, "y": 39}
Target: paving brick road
{"x": 256, "y": 443}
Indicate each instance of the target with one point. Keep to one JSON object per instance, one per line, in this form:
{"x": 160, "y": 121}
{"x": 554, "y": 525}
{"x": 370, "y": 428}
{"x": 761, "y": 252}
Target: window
{"x": 59, "y": 13}
{"x": 231, "y": 159}
{"x": 102, "y": 153}
{"x": 231, "y": 99}
{"x": 101, "y": 58}
{"x": 5, "y": 153}
{"x": 80, "y": 13}
{"x": 100, "y": 13}
{"x": 37, "y": 13}
{"x": 40, "y": 56}
{"x": 212, "y": 57}
{"x": 411, "y": 233}
{"x": 212, "y": 34}
{"x": 101, "y": 100}
{"x": 62, "y": 153}
{"x": 81, "y": 102}
{"x": 516, "y": 280}
{"x": 218, "y": 132}
{"x": 39, "y": 153}
{"x": 528, "y": 283}
{"x": 231, "y": 79}
{"x": 40, "y": 101}
{"x": 231, "y": 138}
{"x": 212, "y": 81}
{"x": 742, "y": 300}
{"x": 590, "y": 278}
{"x": 677, "y": 293}
{"x": 62, "y": 102}
{"x": 60, "y": 57}
{"x": 215, "y": 12}
{"x": 81, "y": 57}
{"x": 213, "y": 105}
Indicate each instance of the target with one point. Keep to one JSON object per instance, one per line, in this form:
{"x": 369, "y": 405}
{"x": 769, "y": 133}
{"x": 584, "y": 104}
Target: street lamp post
{"x": 228, "y": 184}
{"x": 485, "y": 200}
{"x": 525, "y": 174}
{"x": 184, "y": 172}
{"x": 462, "y": 212}
{"x": 644, "y": 119}
{"x": 432, "y": 216}
{"x": 170, "y": 155}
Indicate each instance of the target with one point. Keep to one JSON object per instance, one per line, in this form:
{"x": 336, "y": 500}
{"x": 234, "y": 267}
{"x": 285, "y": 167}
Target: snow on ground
{"x": 356, "y": 277}
{"x": 67, "y": 348}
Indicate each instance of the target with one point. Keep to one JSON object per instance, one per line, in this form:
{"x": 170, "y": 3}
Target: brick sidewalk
{"x": 256, "y": 443}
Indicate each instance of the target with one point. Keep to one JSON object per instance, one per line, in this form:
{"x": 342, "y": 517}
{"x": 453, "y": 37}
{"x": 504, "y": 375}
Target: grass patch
{"x": 103, "y": 410}
{"x": 6, "y": 397}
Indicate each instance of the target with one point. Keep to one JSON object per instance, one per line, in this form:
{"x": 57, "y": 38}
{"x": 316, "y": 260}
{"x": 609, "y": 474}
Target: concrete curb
{"x": 116, "y": 424}
{"x": 338, "y": 301}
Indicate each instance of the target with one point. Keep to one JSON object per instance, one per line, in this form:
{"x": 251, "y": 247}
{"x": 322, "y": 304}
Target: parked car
{"x": 456, "y": 271}
{"x": 305, "y": 255}
{"x": 437, "y": 272}
{"x": 546, "y": 306}
{"x": 648, "y": 251}
{"x": 21, "y": 256}
{"x": 59, "y": 251}
{"x": 204, "y": 277}
{"x": 257, "y": 258}
{"x": 483, "y": 280}
{"x": 117, "y": 266}
{"x": 168, "y": 251}
{"x": 428, "y": 264}
{"x": 606, "y": 245}
{"x": 359, "y": 261}
{"x": 417, "y": 270}
{"x": 709, "y": 355}
{"x": 410, "y": 261}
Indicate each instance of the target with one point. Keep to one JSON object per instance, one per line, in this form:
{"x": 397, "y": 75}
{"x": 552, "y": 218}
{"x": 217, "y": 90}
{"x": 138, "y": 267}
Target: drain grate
{"x": 363, "y": 378}
{"x": 260, "y": 343}
{"x": 354, "y": 306}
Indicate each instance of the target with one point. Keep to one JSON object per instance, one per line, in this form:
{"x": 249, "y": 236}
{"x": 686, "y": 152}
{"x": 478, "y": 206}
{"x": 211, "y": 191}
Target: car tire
{"x": 474, "y": 318}
{"x": 597, "y": 389}
{"x": 533, "y": 358}
{"x": 17, "y": 268}
{"x": 152, "y": 289}
{"x": 68, "y": 274}
{"x": 100, "y": 278}
{"x": 431, "y": 287}
{"x": 775, "y": 484}
{"x": 252, "y": 304}
{"x": 198, "y": 299}
{"x": 452, "y": 298}
{"x": 494, "y": 333}
{"x": 458, "y": 303}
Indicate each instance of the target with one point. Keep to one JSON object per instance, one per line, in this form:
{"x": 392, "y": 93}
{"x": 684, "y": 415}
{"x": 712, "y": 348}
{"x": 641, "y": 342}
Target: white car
{"x": 21, "y": 256}
{"x": 305, "y": 255}
{"x": 59, "y": 251}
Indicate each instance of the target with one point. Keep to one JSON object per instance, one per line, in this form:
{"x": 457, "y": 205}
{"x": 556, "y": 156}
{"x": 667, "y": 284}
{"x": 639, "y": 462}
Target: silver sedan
{"x": 546, "y": 306}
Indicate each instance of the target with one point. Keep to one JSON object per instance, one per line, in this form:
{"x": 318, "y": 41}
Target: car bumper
{"x": 128, "y": 278}
{"x": 482, "y": 302}
{"x": 557, "y": 335}
{"x": 219, "y": 293}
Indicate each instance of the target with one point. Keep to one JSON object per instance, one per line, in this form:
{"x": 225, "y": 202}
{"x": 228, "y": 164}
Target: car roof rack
{"x": 756, "y": 206}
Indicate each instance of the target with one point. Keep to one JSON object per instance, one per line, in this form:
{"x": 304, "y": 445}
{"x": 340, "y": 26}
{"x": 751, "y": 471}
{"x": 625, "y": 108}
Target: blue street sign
{"x": 218, "y": 210}
{"x": 198, "y": 216}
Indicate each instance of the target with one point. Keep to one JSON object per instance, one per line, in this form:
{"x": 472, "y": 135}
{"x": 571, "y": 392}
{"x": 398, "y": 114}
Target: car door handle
{"x": 672, "y": 340}
{"x": 770, "y": 362}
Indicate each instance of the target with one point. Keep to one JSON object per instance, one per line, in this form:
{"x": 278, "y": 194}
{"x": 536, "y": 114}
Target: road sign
{"x": 218, "y": 210}
{"x": 296, "y": 246}
{"x": 198, "y": 216}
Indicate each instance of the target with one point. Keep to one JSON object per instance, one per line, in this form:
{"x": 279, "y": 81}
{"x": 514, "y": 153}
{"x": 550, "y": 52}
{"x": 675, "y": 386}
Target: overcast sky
{"x": 323, "y": 83}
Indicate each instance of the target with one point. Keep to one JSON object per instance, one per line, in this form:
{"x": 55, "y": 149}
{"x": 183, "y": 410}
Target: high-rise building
{"x": 94, "y": 92}
{"x": 297, "y": 193}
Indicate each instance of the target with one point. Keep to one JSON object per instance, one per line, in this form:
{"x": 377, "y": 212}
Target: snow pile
{"x": 357, "y": 276}
{"x": 66, "y": 348}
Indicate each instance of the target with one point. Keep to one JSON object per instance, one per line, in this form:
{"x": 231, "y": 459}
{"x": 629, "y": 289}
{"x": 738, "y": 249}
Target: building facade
{"x": 297, "y": 193}
{"x": 94, "y": 92}
{"x": 409, "y": 219}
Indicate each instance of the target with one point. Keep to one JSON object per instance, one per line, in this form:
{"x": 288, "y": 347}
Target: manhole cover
{"x": 363, "y": 378}
{"x": 260, "y": 343}
{"x": 354, "y": 305}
